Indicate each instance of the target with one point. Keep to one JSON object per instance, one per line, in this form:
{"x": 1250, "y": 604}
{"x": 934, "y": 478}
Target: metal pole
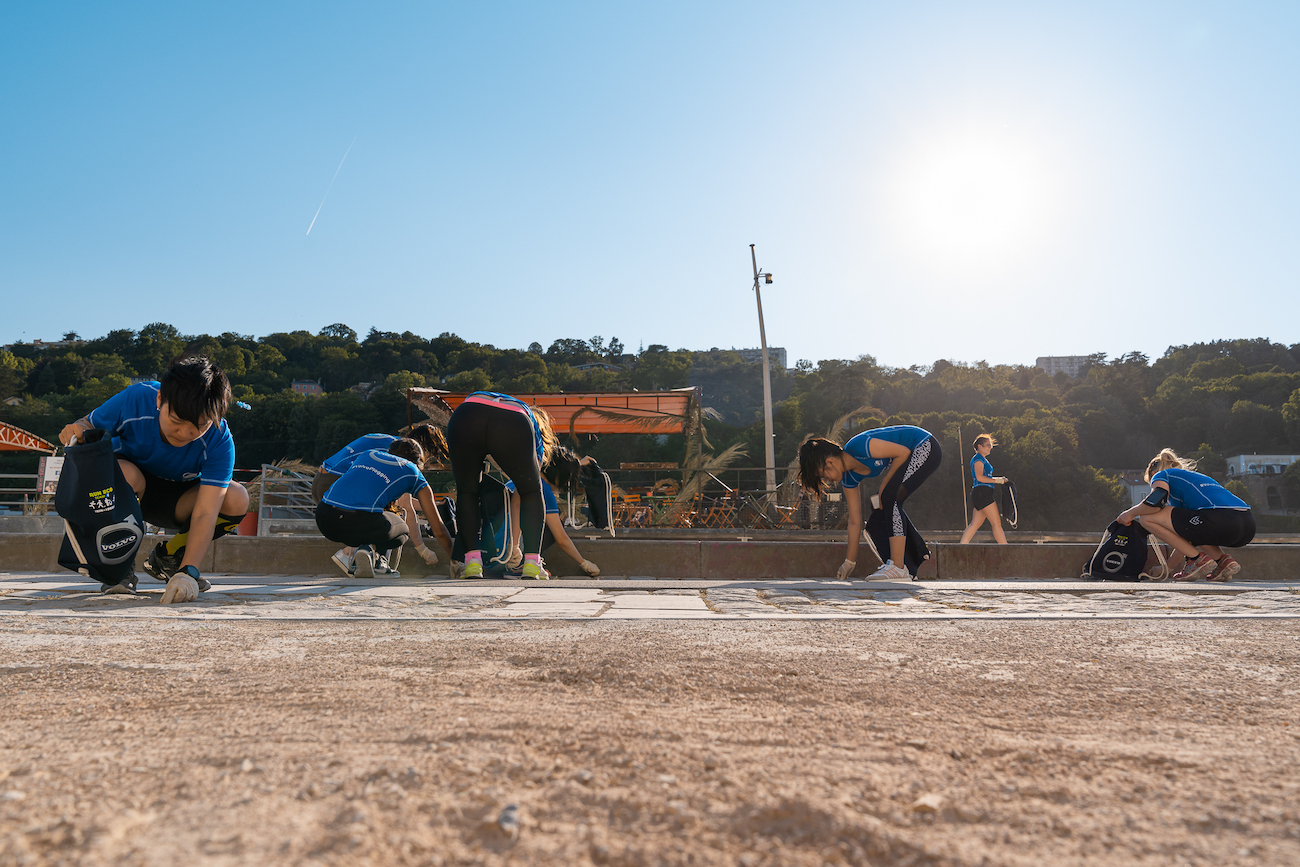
{"x": 767, "y": 382}
{"x": 961, "y": 475}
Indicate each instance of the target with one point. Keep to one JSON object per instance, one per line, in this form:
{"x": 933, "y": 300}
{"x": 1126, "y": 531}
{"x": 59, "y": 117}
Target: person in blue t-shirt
{"x": 553, "y": 525}
{"x": 903, "y": 456}
{"x": 355, "y": 510}
{"x": 176, "y": 452}
{"x": 1193, "y": 514}
{"x": 431, "y": 440}
{"x": 983, "y": 494}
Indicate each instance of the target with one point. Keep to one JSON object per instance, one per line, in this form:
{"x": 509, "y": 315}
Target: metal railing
{"x": 285, "y": 503}
{"x": 20, "y": 495}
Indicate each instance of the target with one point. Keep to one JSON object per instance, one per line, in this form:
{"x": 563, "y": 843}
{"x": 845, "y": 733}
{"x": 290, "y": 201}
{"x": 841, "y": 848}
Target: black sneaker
{"x": 126, "y": 587}
{"x": 161, "y": 565}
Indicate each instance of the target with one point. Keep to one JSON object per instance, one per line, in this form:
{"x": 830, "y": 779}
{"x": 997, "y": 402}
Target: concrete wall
{"x": 685, "y": 559}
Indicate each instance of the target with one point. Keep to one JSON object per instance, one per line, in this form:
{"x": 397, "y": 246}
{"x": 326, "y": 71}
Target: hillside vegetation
{"x": 1062, "y": 439}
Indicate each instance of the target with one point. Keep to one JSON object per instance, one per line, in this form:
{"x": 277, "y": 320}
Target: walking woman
{"x": 983, "y": 494}
{"x": 1194, "y": 514}
{"x": 903, "y": 456}
{"x": 520, "y": 440}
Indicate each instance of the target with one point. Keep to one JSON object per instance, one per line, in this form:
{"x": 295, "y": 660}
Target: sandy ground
{"x": 667, "y": 742}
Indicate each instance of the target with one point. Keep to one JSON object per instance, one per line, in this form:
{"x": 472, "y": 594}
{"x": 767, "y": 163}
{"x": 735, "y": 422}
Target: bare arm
{"x": 75, "y": 431}
{"x": 562, "y": 538}
{"x": 854, "y": 500}
{"x": 203, "y": 522}
{"x": 439, "y": 529}
{"x": 1126, "y": 517}
{"x": 885, "y": 449}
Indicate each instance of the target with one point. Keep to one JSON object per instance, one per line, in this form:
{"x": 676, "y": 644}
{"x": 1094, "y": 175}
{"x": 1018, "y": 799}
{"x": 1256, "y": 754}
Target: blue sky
{"x": 972, "y": 181}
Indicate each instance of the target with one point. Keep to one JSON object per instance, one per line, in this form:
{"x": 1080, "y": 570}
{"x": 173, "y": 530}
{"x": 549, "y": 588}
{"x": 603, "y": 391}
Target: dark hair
{"x": 195, "y": 388}
{"x": 813, "y": 454}
{"x": 409, "y": 449}
{"x": 433, "y": 442}
{"x": 563, "y": 470}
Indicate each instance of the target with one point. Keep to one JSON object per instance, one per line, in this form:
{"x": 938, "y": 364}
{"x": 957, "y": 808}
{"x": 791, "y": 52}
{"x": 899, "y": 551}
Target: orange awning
{"x": 634, "y": 412}
{"x": 15, "y": 439}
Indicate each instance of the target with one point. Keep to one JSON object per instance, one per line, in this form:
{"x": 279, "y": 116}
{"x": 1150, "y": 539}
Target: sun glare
{"x": 974, "y": 200}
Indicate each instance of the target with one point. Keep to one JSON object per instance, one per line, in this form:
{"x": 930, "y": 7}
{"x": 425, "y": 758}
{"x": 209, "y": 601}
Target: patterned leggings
{"x": 923, "y": 461}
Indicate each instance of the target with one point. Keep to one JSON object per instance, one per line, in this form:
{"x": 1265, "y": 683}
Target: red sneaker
{"x": 1197, "y": 569}
{"x": 1226, "y": 568}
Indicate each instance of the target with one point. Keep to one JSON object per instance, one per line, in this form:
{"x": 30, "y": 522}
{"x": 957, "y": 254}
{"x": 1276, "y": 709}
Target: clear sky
{"x": 972, "y": 181}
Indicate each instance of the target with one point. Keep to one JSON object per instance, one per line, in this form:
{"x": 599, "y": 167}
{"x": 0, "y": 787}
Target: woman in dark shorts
{"x": 983, "y": 494}
{"x": 1195, "y": 515}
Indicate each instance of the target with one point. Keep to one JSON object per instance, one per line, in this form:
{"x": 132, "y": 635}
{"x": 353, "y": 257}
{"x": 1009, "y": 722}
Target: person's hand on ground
{"x": 455, "y": 568}
{"x": 180, "y": 588}
{"x": 427, "y": 555}
{"x": 846, "y": 569}
{"x": 590, "y": 568}
{"x": 516, "y": 557}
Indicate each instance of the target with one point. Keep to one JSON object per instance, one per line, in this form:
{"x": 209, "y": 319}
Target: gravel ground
{"x": 140, "y": 742}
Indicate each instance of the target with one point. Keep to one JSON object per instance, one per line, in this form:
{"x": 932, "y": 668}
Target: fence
{"x": 285, "y": 504}
{"x": 20, "y": 495}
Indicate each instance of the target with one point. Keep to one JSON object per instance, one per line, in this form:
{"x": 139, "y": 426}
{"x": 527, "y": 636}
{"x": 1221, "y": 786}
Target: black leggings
{"x": 923, "y": 461}
{"x": 384, "y": 530}
{"x": 476, "y": 430}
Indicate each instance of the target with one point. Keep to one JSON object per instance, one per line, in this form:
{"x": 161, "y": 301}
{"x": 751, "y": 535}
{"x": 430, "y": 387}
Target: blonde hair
{"x": 544, "y": 426}
{"x": 1166, "y": 459}
{"x": 982, "y": 438}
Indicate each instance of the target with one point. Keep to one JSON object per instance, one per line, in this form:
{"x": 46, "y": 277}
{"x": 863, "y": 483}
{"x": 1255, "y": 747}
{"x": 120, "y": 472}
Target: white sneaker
{"x": 363, "y": 564}
{"x": 343, "y": 561}
{"x": 889, "y": 572}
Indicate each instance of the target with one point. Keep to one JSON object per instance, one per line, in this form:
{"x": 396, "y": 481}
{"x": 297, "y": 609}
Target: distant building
{"x": 1070, "y": 365}
{"x": 598, "y": 365}
{"x": 13, "y": 401}
{"x": 775, "y": 356}
{"x": 309, "y": 387}
{"x": 41, "y": 345}
{"x": 1262, "y": 465}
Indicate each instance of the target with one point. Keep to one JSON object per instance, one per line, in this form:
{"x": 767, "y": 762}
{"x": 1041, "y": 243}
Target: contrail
{"x": 332, "y": 180}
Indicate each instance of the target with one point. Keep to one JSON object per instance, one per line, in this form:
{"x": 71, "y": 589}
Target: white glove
{"x": 590, "y": 568}
{"x": 427, "y": 555}
{"x": 180, "y": 588}
{"x": 455, "y": 568}
{"x": 846, "y": 569}
{"x": 516, "y": 557}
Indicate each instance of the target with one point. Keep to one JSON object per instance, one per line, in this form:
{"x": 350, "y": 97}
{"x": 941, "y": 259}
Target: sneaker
{"x": 343, "y": 561}
{"x": 126, "y": 587}
{"x": 1196, "y": 570}
{"x": 535, "y": 571}
{"x": 363, "y": 563}
{"x": 161, "y": 565}
{"x": 473, "y": 569}
{"x": 889, "y": 572}
{"x": 1225, "y": 569}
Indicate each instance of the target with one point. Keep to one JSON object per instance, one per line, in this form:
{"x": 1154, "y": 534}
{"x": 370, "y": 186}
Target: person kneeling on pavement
{"x": 355, "y": 510}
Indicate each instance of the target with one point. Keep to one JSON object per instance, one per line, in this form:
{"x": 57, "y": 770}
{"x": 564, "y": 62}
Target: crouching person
{"x": 176, "y": 452}
{"x": 1194, "y": 514}
{"x": 354, "y": 511}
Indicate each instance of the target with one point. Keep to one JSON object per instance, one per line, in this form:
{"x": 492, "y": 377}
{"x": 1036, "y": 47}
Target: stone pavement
{"x": 315, "y": 597}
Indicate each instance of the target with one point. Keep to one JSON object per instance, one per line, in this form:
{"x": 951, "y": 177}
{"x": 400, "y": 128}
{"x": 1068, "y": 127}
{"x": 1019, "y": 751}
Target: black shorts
{"x": 160, "y": 499}
{"x": 384, "y": 530}
{"x": 982, "y": 496}
{"x": 1229, "y": 528}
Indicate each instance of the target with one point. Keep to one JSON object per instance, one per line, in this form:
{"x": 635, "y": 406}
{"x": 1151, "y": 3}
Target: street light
{"x": 767, "y": 376}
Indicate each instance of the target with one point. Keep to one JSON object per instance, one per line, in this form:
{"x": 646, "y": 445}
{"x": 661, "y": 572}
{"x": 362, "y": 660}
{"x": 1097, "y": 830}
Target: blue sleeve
{"x": 109, "y": 415}
{"x": 548, "y": 497}
{"x": 219, "y": 457}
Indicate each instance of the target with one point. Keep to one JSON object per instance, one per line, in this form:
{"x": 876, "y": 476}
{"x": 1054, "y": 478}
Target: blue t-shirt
{"x": 374, "y": 480}
{"x": 859, "y": 448}
{"x": 548, "y": 497}
{"x": 339, "y": 462}
{"x": 974, "y": 474}
{"x": 1189, "y": 490}
{"x": 131, "y": 418}
{"x": 528, "y": 410}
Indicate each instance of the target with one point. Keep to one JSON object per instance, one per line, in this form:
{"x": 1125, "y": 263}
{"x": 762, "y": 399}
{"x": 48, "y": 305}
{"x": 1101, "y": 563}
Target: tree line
{"x": 1062, "y": 439}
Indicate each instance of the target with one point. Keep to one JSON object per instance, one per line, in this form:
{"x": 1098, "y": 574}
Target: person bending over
{"x": 520, "y": 441}
{"x": 355, "y": 510}
{"x": 1195, "y": 515}
{"x": 902, "y": 455}
{"x": 433, "y": 447}
{"x": 554, "y": 474}
{"x": 176, "y": 452}
{"x": 983, "y": 494}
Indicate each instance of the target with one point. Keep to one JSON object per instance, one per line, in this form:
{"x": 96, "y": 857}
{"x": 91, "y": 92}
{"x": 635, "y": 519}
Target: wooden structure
{"x": 617, "y": 412}
{"x": 15, "y": 439}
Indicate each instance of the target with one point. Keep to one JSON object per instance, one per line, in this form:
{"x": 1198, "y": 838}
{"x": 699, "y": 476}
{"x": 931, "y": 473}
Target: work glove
{"x": 180, "y": 588}
{"x": 427, "y": 555}
{"x": 516, "y": 558}
{"x": 846, "y": 569}
{"x": 590, "y": 568}
{"x": 455, "y": 568}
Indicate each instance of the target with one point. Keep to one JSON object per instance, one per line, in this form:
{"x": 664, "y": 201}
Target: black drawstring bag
{"x": 1009, "y": 510}
{"x": 103, "y": 525}
{"x": 599, "y": 490}
{"x": 494, "y": 511}
{"x": 879, "y": 527}
{"x": 1122, "y": 556}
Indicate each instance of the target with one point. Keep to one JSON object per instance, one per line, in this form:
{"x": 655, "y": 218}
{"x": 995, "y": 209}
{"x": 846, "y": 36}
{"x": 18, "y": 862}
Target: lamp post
{"x": 767, "y": 377}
